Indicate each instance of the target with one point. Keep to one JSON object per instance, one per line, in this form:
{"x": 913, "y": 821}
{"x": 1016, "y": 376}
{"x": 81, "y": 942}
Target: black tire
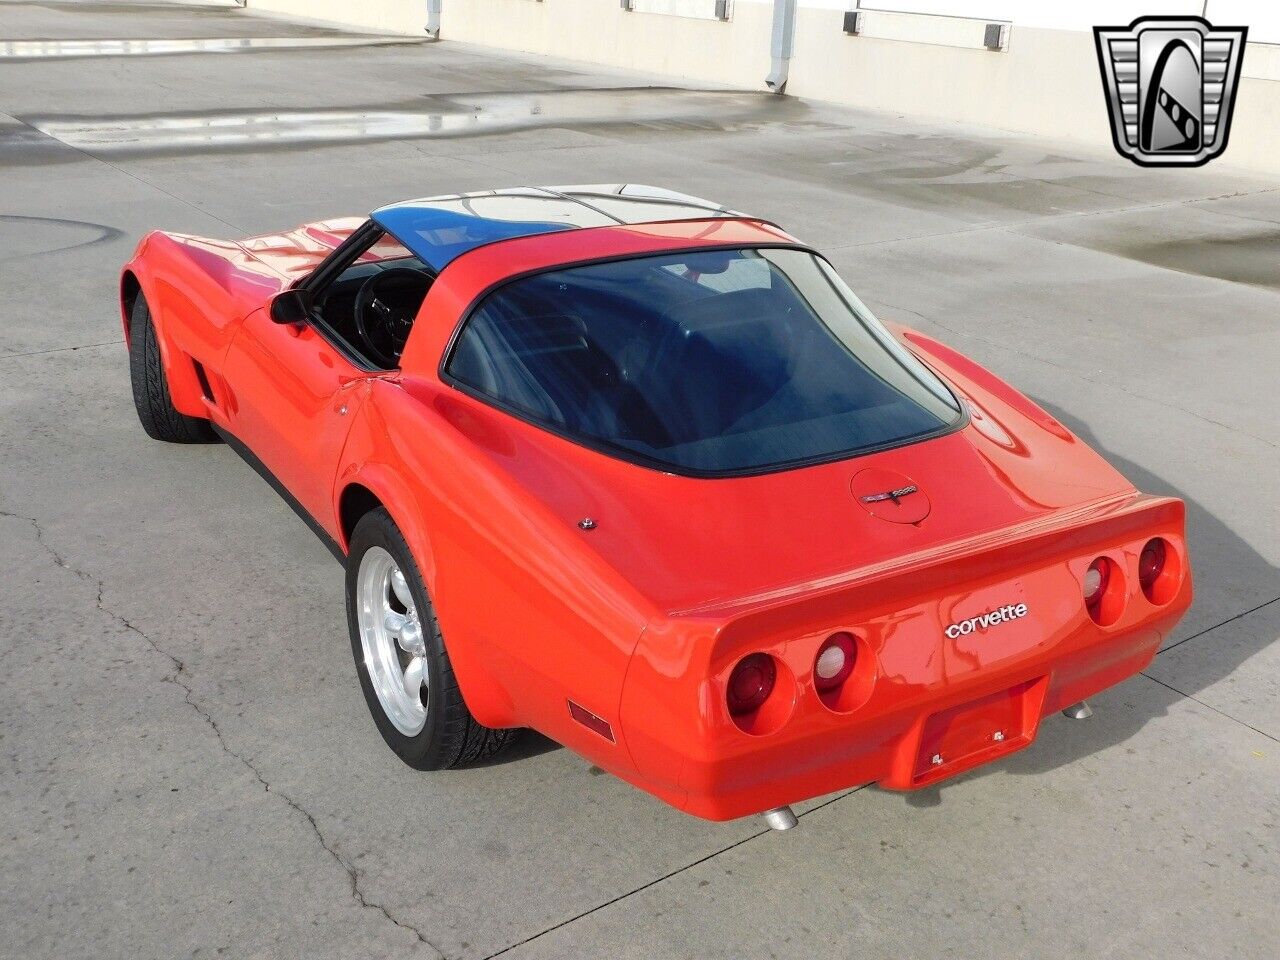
{"x": 150, "y": 388}
{"x": 451, "y": 736}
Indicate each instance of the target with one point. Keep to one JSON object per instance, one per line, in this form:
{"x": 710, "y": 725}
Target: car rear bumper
{"x": 926, "y": 701}
{"x": 925, "y": 741}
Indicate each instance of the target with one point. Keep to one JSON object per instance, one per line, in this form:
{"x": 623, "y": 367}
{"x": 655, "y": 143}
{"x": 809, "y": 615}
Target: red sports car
{"x": 643, "y": 474}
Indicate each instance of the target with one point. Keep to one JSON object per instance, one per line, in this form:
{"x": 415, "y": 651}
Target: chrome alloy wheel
{"x": 395, "y": 650}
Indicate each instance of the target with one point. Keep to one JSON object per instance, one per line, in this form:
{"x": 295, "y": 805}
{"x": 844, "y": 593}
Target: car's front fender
{"x": 147, "y": 270}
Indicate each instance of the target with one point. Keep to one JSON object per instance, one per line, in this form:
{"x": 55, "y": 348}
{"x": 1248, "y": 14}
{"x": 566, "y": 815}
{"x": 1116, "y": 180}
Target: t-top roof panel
{"x": 438, "y": 230}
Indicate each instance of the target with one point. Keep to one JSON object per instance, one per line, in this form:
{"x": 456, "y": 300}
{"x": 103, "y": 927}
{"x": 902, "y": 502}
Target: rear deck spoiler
{"x": 906, "y": 580}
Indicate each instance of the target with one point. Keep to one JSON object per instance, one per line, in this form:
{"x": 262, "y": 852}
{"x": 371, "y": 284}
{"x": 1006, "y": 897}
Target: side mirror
{"x": 292, "y": 306}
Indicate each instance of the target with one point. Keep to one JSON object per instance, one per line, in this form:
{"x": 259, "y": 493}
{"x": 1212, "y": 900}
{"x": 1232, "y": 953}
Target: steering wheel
{"x": 384, "y": 327}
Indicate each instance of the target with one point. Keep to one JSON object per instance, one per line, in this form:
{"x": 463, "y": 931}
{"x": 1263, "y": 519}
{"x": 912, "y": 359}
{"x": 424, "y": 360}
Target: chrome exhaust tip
{"x": 1079, "y": 711}
{"x": 780, "y": 818}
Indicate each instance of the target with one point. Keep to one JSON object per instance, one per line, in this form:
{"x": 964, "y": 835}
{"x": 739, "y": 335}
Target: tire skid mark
{"x": 104, "y": 234}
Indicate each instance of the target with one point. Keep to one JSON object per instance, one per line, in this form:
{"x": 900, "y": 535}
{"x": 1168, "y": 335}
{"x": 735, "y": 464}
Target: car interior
{"x": 372, "y": 304}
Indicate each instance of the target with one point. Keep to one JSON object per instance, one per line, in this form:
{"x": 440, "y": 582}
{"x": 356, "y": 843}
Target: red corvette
{"x": 643, "y": 474}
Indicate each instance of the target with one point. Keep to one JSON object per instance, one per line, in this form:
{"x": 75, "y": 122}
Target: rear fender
{"x": 370, "y": 461}
{"x": 963, "y": 372}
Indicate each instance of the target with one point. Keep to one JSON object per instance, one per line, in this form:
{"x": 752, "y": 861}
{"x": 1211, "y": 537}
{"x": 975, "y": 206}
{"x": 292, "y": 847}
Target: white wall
{"x": 1046, "y": 82}
{"x": 407, "y": 17}
{"x": 1055, "y": 15}
{"x": 734, "y": 52}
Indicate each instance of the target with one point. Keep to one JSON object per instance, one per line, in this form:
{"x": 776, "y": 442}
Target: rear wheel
{"x": 404, "y": 669}
{"x": 159, "y": 418}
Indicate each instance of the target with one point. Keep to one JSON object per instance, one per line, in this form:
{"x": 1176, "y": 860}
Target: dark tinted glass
{"x": 706, "y": 362}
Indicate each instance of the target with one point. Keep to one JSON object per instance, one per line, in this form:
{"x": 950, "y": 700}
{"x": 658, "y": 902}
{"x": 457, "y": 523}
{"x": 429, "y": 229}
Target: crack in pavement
{"x": 1238, "y": 616}
{"x": 353, "y": 873}
{"x": 1208, "y": 706}
{"x": 78, "y": 346}
{"x": 175, "y": 678}
{"x": 667, "y": 876}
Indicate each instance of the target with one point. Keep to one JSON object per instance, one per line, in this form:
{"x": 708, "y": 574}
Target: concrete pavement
{"x": 188, "y": 765}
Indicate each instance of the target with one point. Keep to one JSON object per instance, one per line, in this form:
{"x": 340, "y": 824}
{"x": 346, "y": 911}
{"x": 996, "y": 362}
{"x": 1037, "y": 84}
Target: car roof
{"x": 438, "y": 230}
{"x": 460, "y": 288}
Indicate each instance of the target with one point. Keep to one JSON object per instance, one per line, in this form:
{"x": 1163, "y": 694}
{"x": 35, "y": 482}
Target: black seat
{"x": 719, "y": 362}
{"x": 558, "y": 372}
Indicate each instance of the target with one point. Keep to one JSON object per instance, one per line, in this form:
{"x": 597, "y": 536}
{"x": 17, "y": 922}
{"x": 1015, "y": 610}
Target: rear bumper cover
{"x": 932, "y": 704}
{"x": 896, "y": 748}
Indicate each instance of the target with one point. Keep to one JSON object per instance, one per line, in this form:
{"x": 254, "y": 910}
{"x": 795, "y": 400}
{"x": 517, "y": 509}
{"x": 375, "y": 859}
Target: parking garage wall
{"x": 1042, "y": 77}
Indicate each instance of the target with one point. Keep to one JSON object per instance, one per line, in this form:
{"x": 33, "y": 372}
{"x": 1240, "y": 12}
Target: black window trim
{"x": 652, "y": 463}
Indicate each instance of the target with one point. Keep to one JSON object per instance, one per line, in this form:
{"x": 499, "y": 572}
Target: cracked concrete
{"x": 177, "y": 678}
{"x": 188, "y": 767}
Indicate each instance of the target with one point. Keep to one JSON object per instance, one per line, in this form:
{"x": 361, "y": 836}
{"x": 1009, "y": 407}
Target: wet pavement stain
{"x": 136, "y": 8}
{"x": 957, "y": 176}
{"x": 24, "y": 146}
{"x": 458, "y": 115}
{"x": 1251, "y": 258}
{"x": 25, "y": 50}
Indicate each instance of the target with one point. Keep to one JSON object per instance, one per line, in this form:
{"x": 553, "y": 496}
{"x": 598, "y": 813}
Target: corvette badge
{"x": 1011, "y": 611}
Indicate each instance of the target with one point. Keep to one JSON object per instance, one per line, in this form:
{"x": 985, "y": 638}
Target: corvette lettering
{"x": 998, "y": 616}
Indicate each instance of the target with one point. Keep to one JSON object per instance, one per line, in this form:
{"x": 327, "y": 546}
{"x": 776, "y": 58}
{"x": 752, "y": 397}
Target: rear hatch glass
{"x": 707, "y": 362}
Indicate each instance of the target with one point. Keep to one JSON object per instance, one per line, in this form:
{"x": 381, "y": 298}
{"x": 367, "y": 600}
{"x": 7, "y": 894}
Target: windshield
{"x": 703, "y": 362}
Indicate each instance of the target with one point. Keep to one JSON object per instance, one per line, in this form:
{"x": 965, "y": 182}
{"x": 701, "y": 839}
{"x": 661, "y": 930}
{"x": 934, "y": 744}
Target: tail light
{"x": 751, "y": 683}
{"x": 1161, "y": 571}
{"x": 1095, "y": 581}
{"x": 1104, "y": 591}
{"x": 1151, "y": 564}
{"x": 834, "y": 662}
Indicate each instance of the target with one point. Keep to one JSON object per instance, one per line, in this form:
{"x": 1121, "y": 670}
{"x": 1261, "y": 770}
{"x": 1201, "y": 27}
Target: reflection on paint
{"x": 483, "y": 113}
{"x": 68, "y": 49}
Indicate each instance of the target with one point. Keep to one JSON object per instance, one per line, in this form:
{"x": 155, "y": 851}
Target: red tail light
{"x": 1151, "y": 564}
{"x": 751, "y": 683}
{"x": 834, "y": 662}
{"x": 1095, "y": 581}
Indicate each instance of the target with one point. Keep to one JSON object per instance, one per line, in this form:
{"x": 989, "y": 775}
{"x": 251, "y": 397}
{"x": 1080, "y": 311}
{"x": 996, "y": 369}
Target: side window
{"x": 372, "y": 302}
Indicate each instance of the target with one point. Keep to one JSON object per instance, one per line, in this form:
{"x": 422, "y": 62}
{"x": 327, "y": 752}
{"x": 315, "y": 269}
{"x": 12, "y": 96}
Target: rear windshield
{"x": 705, "y": 362}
